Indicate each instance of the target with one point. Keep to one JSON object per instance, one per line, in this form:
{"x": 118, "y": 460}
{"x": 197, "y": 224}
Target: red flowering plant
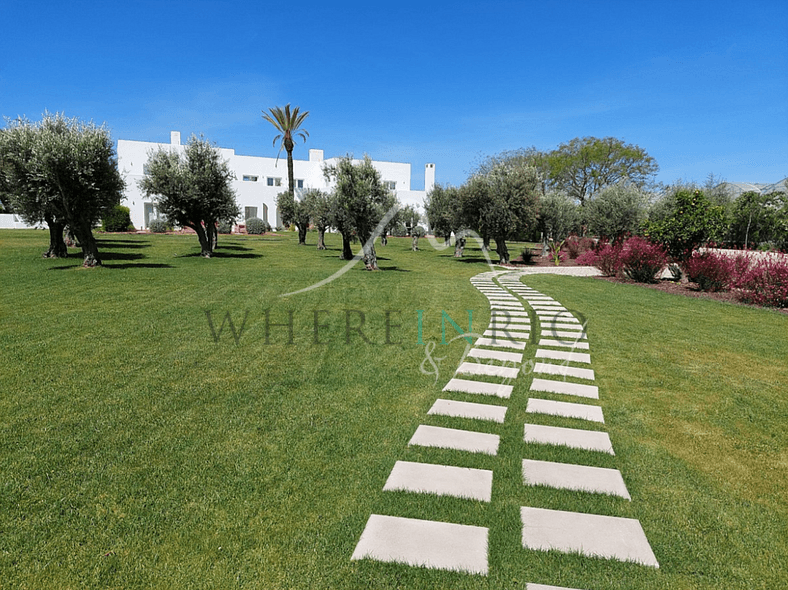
{"x": 711, "y": 271}
{"x": 765, "y": 282}
{"x": 642, "y": 260}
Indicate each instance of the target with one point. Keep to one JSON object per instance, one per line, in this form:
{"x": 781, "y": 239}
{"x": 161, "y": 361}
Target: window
{"x": 249, "y": 178}
{"x": 274, "y": 181}
{"x": 390, "y": 184}
{"x": 250, "y": 212}
{"x": 299, "y": 183}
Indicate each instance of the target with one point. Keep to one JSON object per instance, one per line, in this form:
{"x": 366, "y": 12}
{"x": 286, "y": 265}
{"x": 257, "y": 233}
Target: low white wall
{"x": 11, "y": 221}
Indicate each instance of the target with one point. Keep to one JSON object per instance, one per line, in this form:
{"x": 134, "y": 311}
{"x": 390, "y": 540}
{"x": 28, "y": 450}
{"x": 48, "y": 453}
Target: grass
{"x": 137, "y": 450}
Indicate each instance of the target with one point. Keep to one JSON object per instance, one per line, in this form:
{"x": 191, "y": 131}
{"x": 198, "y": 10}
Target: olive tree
{"x": 318, "y": 204}
{"x": 359, "y": 196}
{"x": 192, "y": 189}
{"x": 616, "y": 210}
{"x": 62, "y": 171}
{"x": 294, "y": 211}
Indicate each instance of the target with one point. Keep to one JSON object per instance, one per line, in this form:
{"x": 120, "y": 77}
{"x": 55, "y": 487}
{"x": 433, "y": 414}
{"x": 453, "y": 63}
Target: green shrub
{"x": 225, "y": 227}
{"x": 117, "y": 219}
{"x": 255, "y": 225}
{"x": 157, "y": 226}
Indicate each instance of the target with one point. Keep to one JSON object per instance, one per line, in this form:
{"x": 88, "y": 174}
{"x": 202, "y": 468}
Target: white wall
{"x": 132, "y": 156}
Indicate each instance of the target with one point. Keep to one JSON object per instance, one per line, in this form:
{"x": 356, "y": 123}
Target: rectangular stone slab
{"x": 455, "y": 409}
{"x": 512, "y": 306}
{"x": 530, "y": 586}
{"x": 497, "y": 320}
{"x": 459, "y": 440}
{"x": 480, "y": 387}
{"x": 563, "y": 355}
{"x": 442, "y": 480}
{"x": 553, "y": 325}
{"x": 563, "y": 476}
{"x": 589, "y": 440}
{"x": 545, "y": 313}
{"x": 425, "y": 543}
{"x": 496, "y": 355}
{"x": 563, "y": 343}
{"x": 549, "y": 333}
{"x": 564, "y": 371}
{"x": 565, "y": 409}
{"x": 500, "y": 343}
{"x": 507, "y": 333}
{"x": 510, "y": 313}
{"x": 547, "y": 305}
{"x": 489, "y": 370}
{"x": 590, "y": 391}
{"x": 590, "y": 534}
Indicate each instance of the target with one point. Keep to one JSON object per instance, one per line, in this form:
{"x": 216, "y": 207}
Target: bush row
{"x": 758, "y": 280}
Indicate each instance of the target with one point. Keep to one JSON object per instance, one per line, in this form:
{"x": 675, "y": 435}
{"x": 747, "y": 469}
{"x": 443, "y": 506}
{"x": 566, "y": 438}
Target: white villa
{"x": 258, "y": 180}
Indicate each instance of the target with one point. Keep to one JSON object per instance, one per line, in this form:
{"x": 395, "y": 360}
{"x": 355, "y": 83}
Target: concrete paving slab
{"x": 513, "y": 306}
{"x": 488, "y": 370}
{"x": 565, "y": 409}
{"x": 563, "y": 355}
{"x": 547, "y": 305}
{"x": 500, "y": 343}
{"x": 513, "y": 313}
{"x": 425, "y": 543}
{"x": 496, "y": 355}
{"x": 597, "y": 480}
{"x": 537, "y": 298}
{"x": 548, "y": 314}
{"x": 554, "y": 325}
{"x": 564, "y": 371}
{"x": 479, "y": 387}
{"x": 563, "y": 334}
{"x": 563, "y": 343}
{"x": 566, "y": 388}
{"x": 590, "y": 534}
{"x": 508, "y": 333}
{"x": 530, "y": 586}
{"x": 459, "y": 440}
{"x": 590, "y": 440}
{"x": 455, "y": 409}
{"x": 442, "y": 480}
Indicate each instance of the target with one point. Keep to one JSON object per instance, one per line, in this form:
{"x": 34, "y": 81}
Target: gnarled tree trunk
{"x": 347, "y": 253}
{"x": 503, "y": 251}
{"x": 87, "y": 242}
{"x": 302, "y": 234}
{"x": 57, "y": 246}
{"x": 370, "y": 257}
{"x": 459, "y": 245}
{"x": 321, "y": 233}
{"x": 206, "y": 243}
{"x": 415, "y": 243}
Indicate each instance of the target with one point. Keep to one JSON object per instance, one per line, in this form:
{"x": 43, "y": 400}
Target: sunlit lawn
{"x": 140, "y": 448}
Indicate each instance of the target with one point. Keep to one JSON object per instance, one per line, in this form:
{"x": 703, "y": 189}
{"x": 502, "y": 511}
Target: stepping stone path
{"x": 489, "y": 370}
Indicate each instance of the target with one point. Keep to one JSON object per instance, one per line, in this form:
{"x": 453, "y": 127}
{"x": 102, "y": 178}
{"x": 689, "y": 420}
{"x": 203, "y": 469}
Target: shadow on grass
{"x": 219, "y": 254}
{"x": 122, "y": 244}
{"x": 234, "y": 247}
{"x": 78, "y": 265}
{"x": 394, "y": 268}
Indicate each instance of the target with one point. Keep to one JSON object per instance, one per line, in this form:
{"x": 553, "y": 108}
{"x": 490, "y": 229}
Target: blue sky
{"x": 702, "y": 86}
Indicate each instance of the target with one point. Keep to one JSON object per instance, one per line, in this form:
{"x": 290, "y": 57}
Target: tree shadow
{"x": 234, "y": 247}
{"x": 119, "y": 256}
{"x": 131, "y": 244}
{"x": 218, "y": 254}
{"x": 394, "y": 268}
{"x": 138, "y": 265}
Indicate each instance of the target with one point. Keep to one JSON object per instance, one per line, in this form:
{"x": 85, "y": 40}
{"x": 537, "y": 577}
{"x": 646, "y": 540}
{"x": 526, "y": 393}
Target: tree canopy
{"x": 288, "y": 123}
{"x": 63, "y": 171}
{"x": 358, "y": 202}
{"x": 294, "y": 211}
{"x": 192, "y": 189}
{"x": 616, "y": 210}
{"x": 582, "y": 166}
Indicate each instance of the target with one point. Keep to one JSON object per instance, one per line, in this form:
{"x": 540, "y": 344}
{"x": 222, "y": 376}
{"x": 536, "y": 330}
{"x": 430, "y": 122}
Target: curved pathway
{"x": 561, "y": 365}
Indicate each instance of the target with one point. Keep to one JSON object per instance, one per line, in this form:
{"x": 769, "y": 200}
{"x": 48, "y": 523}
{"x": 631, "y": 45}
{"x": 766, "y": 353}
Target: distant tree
{"x": 758, "y": 218}
{"x": 62, "y": 171}
{"x": 502, "y": 202}
{"x": 288, "y": 124}
{"x": 193, "y": 190}
{"x": 616, "y": 210}
{"x": 296, "y": 212}
{"x": 410, "y": 216}
{"x": 694, "y": 222}
{"x": 318, "y": 204}
{"x": 391, "y": 202}
{"x": 558, "y": 216}
{"x": 583, "y": 166}
{"x": 359, "y": 197}
{"x": 442, "y": 208}
{"x": 416, "y": 233}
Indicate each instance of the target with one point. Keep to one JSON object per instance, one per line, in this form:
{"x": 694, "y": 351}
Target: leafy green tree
{"x": 193, "y": 190}
{"x": 62, "y": 171}
{"x": 616, "y": 210}
{"x": 442, "y": 208}
{"x": 694, "y": 222}
{"x": 318, "y": 204}
{"x": 758, "y": 218}
{"x": 288, "y": 123}
{"x": 502, "y": 203}
{"x": 294, "y": 211}
{"x": 583, "y": 166}
{"x": 359, "y": 196}
{"x": 558, "y": 216}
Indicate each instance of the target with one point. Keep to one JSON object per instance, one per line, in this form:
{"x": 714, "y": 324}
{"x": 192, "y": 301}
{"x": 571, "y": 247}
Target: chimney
{"x": 429, "y": 177}
{"x": 175, "y": 137}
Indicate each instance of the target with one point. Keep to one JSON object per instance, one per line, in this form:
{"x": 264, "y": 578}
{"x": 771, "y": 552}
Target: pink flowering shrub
{"x": 711, "y": 271}
{"x": 608, "y": 260}
{"x": 642, "y": 260}
{"x": 765, "y": 282}
{"x": 576, "y": 247}
{"x": 587, "y": 258}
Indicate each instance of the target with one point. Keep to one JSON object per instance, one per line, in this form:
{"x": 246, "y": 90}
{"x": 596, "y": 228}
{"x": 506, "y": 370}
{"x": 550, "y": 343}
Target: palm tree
{"x": 287, "y": 124}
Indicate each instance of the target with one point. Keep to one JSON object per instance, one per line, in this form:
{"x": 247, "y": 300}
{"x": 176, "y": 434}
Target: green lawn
{"x": 141, "y": 449}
